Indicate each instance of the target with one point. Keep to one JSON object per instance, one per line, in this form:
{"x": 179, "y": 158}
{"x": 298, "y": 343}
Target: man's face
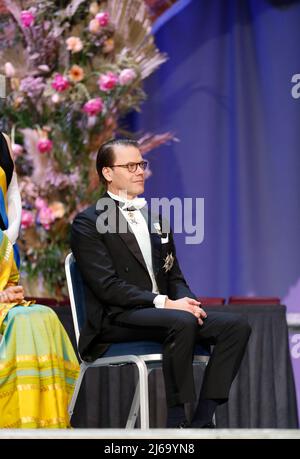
{"x": 120, "y": 179}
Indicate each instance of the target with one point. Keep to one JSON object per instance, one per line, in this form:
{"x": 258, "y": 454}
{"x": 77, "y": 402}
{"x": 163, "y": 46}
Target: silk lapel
{"x": 154, "y": 238}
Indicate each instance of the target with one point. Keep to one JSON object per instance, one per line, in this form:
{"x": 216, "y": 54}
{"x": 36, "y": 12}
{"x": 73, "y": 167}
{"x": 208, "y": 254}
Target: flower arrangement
{"x": 78, "y": 67}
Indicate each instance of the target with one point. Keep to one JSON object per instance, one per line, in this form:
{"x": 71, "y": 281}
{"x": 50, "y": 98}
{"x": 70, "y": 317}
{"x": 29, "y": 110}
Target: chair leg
{"x": 134, "y": 409}
{"x": 76, "y": 390}
{"x": 144, "y": 394}
{"x": 135, "y": 405}
{"x": 141, "y": 397}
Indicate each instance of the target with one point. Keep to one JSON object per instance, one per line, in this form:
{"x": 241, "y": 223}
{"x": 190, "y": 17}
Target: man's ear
{"x": 106, "y": 171}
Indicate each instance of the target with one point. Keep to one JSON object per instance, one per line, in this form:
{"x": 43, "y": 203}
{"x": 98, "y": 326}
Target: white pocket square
{"x": 165, "y": 240}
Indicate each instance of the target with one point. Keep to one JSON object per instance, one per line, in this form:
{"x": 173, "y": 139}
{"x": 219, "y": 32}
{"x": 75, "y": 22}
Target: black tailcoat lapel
{"x": 155, "y": 238}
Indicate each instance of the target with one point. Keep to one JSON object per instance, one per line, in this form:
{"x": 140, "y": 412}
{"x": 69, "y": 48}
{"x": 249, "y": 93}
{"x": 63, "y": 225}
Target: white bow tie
{"x": 134, "y": 204}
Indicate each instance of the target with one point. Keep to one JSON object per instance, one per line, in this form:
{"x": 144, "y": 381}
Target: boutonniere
{"x": 158, "y": 228}
{"x": 169, "y": 261}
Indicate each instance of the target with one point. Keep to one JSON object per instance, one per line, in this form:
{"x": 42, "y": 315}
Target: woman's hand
{"x": 12, "y": 294}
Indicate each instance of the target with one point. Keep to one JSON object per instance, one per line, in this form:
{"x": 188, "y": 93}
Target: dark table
{"x": 262, "y": 395}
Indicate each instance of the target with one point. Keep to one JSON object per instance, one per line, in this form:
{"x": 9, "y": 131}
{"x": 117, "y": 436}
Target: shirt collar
{"x": 116, "y": 197}
{"x": 137, "y": 203}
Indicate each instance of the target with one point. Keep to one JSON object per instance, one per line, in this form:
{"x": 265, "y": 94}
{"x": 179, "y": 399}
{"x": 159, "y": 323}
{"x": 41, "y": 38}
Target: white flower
{"x": 55, "y": 98}
{"x": 94, "y": 8}
{"x": 9, "y": 70}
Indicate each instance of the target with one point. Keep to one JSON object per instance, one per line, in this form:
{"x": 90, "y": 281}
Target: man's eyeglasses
{"x": 132, "y": 167}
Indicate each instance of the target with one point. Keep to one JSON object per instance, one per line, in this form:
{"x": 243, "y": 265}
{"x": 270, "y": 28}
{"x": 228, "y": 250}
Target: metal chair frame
{"x": 144, "y": 364}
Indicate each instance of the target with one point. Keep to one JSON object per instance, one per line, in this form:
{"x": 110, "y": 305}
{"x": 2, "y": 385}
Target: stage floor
{"x": 151, "y": 434}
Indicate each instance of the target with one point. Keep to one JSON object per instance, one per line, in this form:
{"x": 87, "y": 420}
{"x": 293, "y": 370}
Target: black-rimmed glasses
{"x": 132, "y": 167}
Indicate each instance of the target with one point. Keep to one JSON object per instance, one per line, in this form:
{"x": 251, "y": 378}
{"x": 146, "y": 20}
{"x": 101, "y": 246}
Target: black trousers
{"x": 179, "y": 331}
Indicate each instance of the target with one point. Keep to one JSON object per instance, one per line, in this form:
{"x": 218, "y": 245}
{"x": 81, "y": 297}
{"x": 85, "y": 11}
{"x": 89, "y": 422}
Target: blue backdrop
{"x": 226, "y": 94}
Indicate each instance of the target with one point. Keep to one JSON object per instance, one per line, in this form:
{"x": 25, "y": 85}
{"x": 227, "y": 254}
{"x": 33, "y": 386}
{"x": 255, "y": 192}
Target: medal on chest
{"x": 131, "y": 217}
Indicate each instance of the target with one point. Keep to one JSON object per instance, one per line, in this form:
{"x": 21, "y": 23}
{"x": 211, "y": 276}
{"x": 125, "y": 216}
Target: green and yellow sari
{"x": 38, "y": 366}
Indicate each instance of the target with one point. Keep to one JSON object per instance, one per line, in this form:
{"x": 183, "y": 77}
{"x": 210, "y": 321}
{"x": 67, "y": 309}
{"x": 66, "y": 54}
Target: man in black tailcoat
{"x": 135, "y": 290}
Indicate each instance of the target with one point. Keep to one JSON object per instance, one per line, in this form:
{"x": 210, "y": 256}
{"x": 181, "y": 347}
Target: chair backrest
{"x": 76, "y": 293}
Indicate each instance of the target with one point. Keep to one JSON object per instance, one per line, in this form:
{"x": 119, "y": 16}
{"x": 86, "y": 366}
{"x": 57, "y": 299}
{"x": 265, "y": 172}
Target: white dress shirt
{"x": 140, "y": 230}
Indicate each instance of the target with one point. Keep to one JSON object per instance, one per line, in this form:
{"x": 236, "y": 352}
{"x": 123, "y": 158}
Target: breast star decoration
{"x": 169, "y": 261}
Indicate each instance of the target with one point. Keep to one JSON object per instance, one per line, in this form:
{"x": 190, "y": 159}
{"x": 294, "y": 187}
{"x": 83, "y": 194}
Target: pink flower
{"x": 17, "y": 149}
{"x": 45, "y": 145}
{"x": 94, "y": 26}
{"x": 46, "y": 217}
{"x": 40, "y": 203}
{"x": 107, "y": 81}
{"x": 126, "y": 76}
{"x": 74, "y": 44}
{"x": 93, "y": 106}
{"x": 27, "y": 18}
{"x": 103, "y": 18}
{"x": 60, "y": 83}
{"x": 27, "y": 219}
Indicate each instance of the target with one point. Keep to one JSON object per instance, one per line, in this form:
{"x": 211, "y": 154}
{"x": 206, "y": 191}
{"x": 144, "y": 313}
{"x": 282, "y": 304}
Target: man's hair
{"x": 106, "y": 157}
